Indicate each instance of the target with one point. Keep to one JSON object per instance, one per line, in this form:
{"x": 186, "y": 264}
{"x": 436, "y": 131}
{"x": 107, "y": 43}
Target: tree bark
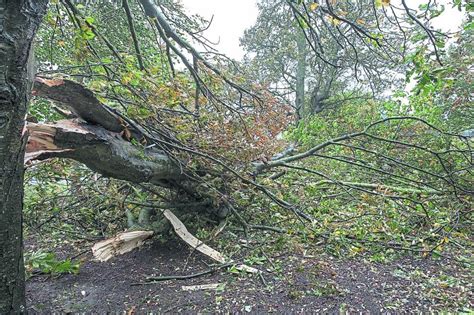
{"x": 19, "y": 20}
{"x": 98, "y": 137}
{"x": 102, "y": 151}
{"x": 300, "y": 74}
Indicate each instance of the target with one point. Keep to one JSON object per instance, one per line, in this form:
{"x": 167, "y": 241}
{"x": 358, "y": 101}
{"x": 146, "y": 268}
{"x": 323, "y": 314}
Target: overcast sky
{"x": 231, "y": 18}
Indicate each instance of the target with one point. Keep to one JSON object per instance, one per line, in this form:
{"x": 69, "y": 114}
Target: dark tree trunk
{"x": 19, "y": 20}
{"x": 317, "y": 101}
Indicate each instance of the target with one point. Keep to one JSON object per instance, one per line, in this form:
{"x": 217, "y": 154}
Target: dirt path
{"x": 300, "y": 284}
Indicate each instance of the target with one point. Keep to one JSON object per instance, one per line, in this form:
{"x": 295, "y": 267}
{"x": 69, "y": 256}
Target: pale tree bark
{"x": 19, "y": 20}
{"x": 300, "y": 74}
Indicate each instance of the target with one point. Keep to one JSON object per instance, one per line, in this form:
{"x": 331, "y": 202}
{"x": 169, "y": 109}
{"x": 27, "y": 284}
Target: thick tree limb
{"x": 81, "y": 101}
{"x": 101, "y": 150}
{"x": 98, "y": 141}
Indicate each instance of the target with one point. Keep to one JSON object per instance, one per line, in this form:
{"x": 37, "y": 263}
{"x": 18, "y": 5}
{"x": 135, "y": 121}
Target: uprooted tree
{"x": 143, "y": 105}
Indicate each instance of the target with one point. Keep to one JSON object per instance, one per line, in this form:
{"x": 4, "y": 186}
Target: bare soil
{"x": 318, "y": 283}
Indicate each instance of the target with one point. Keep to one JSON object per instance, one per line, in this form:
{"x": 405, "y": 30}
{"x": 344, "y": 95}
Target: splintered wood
{"x": 195, "y": 243}
{"x": 128, "y": 241}
{"x": 212, "y": 286}
{"x": 120, "y": 244}
{"x": 191, "y": 240}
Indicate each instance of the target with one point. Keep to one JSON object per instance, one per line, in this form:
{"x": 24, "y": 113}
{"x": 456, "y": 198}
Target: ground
{"x": 292, "y": 282}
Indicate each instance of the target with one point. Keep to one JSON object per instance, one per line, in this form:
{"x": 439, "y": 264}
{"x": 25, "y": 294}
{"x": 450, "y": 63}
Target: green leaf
{"x": 469, "y": 26}
{"x": 90, "y": 20}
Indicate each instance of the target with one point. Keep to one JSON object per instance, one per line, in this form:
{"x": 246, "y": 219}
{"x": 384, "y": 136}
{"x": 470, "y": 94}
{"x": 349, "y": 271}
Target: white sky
{"x": 448, "y": 21}
{"x": 232, "y": 17}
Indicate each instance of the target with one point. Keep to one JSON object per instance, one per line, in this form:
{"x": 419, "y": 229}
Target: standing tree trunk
{"x": 19, "y": 20}
{"x": 300, "y": 73}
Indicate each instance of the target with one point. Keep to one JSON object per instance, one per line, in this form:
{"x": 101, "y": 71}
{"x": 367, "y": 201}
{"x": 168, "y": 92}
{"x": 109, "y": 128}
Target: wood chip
{"x": 119, "y": 245}
{"x": 247, "y": 269}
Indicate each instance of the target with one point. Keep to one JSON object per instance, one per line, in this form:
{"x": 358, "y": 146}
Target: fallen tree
{"x": 99, "y": 137}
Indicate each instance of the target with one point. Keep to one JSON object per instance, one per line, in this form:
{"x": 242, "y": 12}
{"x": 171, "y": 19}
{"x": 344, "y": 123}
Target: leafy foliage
{"x": 47, "y": 263}
{"x": 402, "y": 180}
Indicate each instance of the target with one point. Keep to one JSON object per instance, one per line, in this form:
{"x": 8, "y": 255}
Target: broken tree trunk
{"x": 95, "y": 138}
{"x": 101, "y": 150}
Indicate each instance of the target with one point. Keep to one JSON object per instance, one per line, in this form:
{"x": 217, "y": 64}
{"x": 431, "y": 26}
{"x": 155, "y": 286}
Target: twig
{"x": 153, "y": 280}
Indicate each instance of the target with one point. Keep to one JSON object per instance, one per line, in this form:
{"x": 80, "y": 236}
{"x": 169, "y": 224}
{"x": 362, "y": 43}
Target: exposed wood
{"x": 120, "y": 244}
{"x": 200, "y": 287}
{"x": 191, "y": 240}
{"x": 198, "y": 245}
{"x": 101, "y": 150}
